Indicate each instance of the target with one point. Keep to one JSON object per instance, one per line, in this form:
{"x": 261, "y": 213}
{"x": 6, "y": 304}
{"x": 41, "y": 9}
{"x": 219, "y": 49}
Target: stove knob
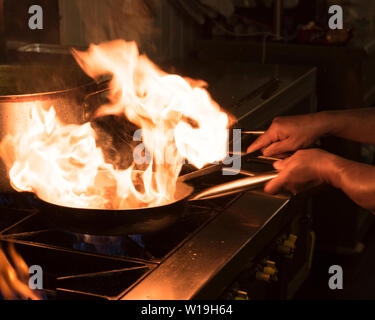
{"x": 268, "y": 273}
{"x": 241, "y": 295}
{"x": 270, "y": 268}
{"x": 288, "y": 246}
{"x": 262, "y": 276}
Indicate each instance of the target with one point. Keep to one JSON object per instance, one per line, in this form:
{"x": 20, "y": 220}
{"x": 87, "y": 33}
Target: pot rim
{"x": 87, "y": 88}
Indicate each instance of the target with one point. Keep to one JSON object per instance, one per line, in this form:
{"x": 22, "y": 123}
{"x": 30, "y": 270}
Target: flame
{"x": 13, "y": 280}
{"x": 179, "y": 120}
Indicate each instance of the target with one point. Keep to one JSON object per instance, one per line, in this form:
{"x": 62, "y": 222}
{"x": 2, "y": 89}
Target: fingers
{"x": 279, "y": 165}
{"x": 261, "y": 142}
{"x": 271, "y": 146}
{"x": 296, "y": 173}
{"x": 275, "y": 185}
{"x": 278, "y": 147}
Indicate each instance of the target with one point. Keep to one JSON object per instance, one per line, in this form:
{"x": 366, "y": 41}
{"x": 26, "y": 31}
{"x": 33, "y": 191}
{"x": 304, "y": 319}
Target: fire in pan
{"x": 147, "y": 219}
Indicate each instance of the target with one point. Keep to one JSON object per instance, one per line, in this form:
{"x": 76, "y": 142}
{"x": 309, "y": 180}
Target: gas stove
{"x": 198, "y": 257}
{"x": 245, "y": 246}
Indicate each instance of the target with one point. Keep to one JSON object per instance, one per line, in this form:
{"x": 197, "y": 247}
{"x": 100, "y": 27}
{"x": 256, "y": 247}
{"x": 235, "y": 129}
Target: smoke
{"x": 132, "y": 20}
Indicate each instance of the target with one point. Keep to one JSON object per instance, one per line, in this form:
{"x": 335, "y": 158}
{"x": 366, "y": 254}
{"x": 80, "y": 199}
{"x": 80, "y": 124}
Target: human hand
{"x": 289, "y": 134}
{"x": 303, "y": 170}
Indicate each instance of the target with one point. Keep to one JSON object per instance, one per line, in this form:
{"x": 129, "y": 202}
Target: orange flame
{"x": 179, "y": 120}
{"x": 13, "y": 280}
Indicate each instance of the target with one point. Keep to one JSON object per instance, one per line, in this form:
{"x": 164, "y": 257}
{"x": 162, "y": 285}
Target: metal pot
{"x": 65, "y": 87}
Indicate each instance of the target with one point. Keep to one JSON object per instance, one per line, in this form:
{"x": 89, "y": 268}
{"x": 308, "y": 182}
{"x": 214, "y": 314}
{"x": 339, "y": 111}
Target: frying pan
{"x": 142, "y": 220}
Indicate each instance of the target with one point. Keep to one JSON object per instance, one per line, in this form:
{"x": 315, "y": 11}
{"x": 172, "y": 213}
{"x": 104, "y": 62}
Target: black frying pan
{"x": 141, "y": 220}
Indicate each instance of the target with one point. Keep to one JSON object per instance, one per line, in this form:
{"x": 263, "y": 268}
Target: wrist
{"x": 325, "y": 120}
{"x": 332, "y": 167}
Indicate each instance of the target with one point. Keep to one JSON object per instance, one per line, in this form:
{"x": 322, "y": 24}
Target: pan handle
{"x": 88, "y": 105}
{"x": 240, "y": 185}
{"x": 102, "y": 86}
{"x": 254, "y": 133}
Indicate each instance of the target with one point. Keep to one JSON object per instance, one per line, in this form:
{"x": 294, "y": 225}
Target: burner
{"x": 101, "y": 244}
{"x": 125, "y": 246}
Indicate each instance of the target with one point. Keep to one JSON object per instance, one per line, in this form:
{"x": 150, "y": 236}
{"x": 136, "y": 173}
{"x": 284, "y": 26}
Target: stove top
{"x": 130, "y": 266}
{"x": 196, "y": 258}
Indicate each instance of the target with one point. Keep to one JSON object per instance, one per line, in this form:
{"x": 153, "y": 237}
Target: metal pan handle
{"x": 90, "y": 100}
{"x": 240, "y": 185}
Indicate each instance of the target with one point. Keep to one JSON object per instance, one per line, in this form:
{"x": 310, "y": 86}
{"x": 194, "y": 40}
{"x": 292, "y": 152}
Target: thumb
{"x": 275, "y": 185}
{"x": 279, "y": 165}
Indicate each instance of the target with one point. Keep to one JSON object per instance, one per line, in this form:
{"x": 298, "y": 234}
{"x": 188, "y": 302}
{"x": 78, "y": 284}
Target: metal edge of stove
{"x": 252, "y": 114}
{"x": 180, "y": 244}
{"x": 189, "y": 273}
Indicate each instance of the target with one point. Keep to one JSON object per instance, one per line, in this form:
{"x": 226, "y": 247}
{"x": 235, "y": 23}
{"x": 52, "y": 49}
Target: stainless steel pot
{"x": 65, "y": 87}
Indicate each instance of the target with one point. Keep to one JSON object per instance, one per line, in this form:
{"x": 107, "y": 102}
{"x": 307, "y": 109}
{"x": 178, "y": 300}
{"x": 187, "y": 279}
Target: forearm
{"x": 356, "y": 124}
{"x": 356, "y": 180}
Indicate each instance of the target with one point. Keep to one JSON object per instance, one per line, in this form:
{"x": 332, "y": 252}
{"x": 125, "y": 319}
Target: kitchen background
{"x": 178, "y": 32}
